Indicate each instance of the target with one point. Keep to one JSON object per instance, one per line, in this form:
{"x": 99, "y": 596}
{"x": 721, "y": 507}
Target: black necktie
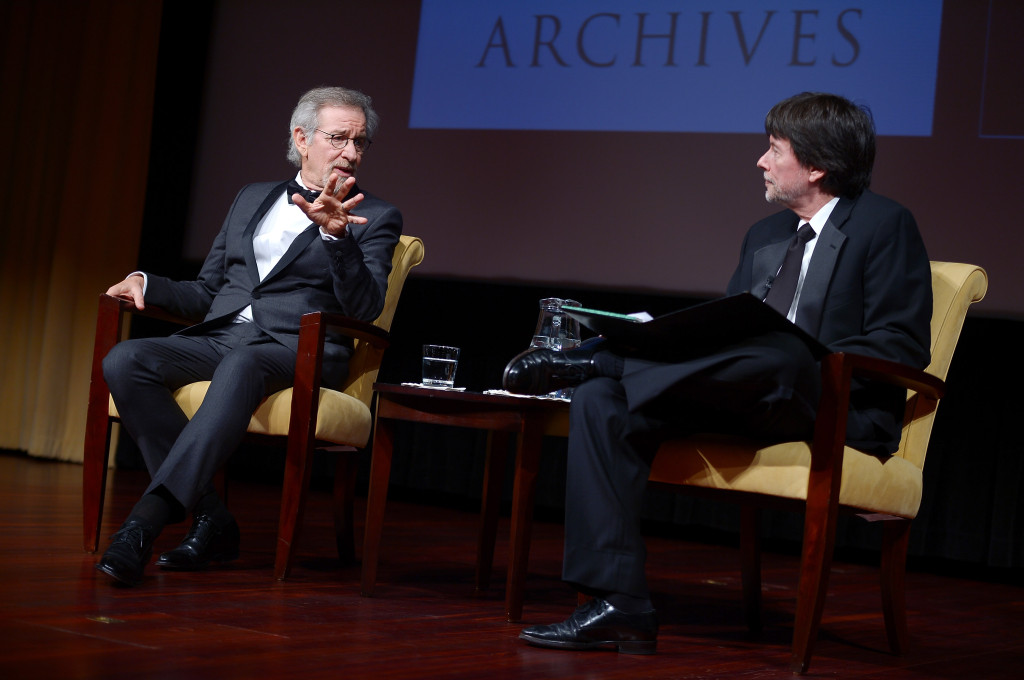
{"x": 296, "y": 188}
{"x": 783, "y": 288}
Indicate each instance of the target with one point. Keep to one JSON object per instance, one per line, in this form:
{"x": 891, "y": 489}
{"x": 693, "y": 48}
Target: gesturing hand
{"x": 331, "y": 210}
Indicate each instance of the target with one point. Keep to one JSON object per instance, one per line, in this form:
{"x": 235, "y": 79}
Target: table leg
{"x": 377, "y": 498}
{"x": 527, "y": 462}
{"x": 494, "y": 476}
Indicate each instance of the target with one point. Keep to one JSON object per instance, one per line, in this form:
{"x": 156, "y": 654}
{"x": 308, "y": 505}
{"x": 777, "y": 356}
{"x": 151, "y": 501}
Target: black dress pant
{"x": 243, "y": 364}
{"x": 766, "y": 387}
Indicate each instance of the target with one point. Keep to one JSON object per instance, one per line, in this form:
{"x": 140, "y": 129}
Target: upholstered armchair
{"x": 307, "y": 415}
{"x": 823, "y": 477}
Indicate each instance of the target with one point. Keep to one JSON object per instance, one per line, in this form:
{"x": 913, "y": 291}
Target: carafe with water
{"x": 556, "y": 330}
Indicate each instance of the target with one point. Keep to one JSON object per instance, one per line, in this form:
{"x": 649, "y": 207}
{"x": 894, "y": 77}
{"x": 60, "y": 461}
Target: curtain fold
{"x": 78, "y": 81}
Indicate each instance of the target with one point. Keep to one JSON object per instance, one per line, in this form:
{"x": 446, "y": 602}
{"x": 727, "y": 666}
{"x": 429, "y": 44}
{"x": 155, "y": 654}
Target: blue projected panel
{"x": 669, "y": 66}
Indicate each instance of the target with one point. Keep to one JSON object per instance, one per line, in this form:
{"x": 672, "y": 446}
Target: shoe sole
{"x": 118, "y": 578}
{"x": 215, "y": 559}
{"x": 622, "y": 646}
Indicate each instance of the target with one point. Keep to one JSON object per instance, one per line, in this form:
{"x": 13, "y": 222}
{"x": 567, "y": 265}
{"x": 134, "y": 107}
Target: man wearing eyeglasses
{"x": 314, "y": 243}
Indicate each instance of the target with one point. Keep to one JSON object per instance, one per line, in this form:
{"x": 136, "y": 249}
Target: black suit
{"x": 867, "y": 290}
{"x": 243, "y": 361}
{"x": 348, "y": 276}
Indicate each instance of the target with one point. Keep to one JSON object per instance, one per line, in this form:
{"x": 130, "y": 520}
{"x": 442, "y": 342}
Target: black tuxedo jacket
{"x": 348, "y": 276}
{"x": 867, "y": 290}
{"x": 868, "y": 285}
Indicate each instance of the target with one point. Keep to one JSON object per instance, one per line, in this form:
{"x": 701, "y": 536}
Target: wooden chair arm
{"x": 312, "y": 332}
{"x": 353, "y": 328}
{"x": 895, "y": 373}
{"x": 110, "y": 315}
{"x": 837, "y": 371}
{"x": 151, "y": 311}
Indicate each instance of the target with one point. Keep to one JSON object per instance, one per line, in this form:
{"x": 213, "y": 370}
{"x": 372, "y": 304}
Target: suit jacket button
{"x": 255, "y": 295}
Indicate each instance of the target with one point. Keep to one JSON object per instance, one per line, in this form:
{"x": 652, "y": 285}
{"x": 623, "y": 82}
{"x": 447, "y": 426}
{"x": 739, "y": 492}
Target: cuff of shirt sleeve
{"x": 145, "y": 280}
{"x": 331, "y": 237}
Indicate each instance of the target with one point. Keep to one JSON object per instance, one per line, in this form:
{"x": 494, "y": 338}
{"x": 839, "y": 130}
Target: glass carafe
{"x": 556, "y": 330}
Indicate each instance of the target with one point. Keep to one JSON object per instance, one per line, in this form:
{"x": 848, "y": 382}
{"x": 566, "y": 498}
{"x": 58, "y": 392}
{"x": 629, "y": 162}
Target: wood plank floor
{"x": 60, "y": 619}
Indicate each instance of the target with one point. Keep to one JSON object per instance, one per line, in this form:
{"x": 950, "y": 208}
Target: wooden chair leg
{"x": 490, "y": 504}
{"x": 822, "y": 510}
{"x": 297, "y": 471}
{"x": 94, "y": 475}
{"x": 376, "y": 499}
{"x": 815, "y": 564}
{"x": 895, "y": 539}
{"x": 109, "y": 324}
{"x": 344, "y": 504}
{"x": 750, "y": 551}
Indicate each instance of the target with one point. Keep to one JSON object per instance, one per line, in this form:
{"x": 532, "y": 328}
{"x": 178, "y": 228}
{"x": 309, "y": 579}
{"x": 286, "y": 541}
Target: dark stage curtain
{"x": 77, "y": 83}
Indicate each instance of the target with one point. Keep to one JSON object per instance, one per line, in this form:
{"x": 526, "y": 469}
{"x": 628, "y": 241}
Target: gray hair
{"x": 307, "y": 113}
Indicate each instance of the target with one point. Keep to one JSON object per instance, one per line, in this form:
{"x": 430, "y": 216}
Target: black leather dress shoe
{"x": 204, "y": 543}
{"x": 129, "y": 551}
{"x": 539, "y": 370}
{"x": 599, "y": 625}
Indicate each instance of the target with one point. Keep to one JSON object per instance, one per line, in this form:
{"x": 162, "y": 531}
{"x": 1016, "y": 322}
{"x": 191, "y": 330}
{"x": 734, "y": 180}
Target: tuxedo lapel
{"x": 821, "y": 268}
{"x": 767, "y": 262}
{"x": 250, "y": 230}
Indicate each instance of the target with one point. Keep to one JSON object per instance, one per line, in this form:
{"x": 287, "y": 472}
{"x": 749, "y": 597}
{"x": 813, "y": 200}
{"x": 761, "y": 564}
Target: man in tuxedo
{"x": 315, "y": 243}
{"x": 846, "y": 265}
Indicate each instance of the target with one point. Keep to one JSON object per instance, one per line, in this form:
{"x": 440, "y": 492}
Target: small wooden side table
{"x": 528, "y": 419}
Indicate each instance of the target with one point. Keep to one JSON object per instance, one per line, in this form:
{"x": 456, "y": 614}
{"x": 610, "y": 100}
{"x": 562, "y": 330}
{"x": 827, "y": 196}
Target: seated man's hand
{"x": 129, "y": 289}
{"x": 331, "y": 210}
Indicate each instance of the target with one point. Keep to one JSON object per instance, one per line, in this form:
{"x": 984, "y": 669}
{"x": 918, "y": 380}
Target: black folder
{"x": 692, "y": 331}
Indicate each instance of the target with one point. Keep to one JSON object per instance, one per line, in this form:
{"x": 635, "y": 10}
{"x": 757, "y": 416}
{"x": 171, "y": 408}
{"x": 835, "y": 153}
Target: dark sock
{"x": 629, "y": 604}
{"x": 151, "y": 510}
{"x": 214, "y": 507}
{"x": 608, "y": 364}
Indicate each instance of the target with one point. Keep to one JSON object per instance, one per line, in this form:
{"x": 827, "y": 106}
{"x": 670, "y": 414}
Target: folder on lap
{"x": 692, "y": 331}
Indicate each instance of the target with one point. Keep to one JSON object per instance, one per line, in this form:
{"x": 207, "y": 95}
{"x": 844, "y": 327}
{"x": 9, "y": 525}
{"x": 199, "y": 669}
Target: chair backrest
{"x": 365, "y": 360}
{"x": 955, "y": 287}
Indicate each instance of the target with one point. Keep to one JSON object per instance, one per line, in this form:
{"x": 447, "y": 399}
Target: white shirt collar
{"x": 819, "y": 218}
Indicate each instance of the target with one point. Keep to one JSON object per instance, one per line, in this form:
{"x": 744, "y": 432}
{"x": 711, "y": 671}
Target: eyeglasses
{"x": 341, "y": 141}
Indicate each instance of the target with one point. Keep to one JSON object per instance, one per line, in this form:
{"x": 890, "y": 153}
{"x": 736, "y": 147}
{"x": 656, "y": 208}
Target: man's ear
{"x": 815, "y": 175}
{"x": 299, "y": 136}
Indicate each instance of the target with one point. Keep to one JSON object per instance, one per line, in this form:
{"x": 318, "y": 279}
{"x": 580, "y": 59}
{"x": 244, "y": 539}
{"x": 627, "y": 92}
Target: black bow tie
{"x": 296, "y": 188}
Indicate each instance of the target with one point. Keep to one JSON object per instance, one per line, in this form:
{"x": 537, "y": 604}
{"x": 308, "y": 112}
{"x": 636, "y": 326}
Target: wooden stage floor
{"x": 60, "y": 619}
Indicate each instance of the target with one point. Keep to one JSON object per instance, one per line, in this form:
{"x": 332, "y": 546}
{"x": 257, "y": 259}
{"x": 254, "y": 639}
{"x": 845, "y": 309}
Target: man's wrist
{"x": 331, "y": 237}
{"x": 142, "y": 275}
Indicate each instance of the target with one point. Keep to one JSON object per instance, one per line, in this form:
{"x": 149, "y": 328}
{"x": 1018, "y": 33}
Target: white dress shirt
{"x": 273, "y": 235}
{"x": 271, "y": 239}
{"x": 817, "y": 223}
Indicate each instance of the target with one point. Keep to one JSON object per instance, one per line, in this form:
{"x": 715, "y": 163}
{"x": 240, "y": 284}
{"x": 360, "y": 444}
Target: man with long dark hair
{"x": 844, "y": 264}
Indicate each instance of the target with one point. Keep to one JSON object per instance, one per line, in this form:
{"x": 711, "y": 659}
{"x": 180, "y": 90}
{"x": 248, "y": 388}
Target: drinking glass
{"x": 439, "y": 365}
